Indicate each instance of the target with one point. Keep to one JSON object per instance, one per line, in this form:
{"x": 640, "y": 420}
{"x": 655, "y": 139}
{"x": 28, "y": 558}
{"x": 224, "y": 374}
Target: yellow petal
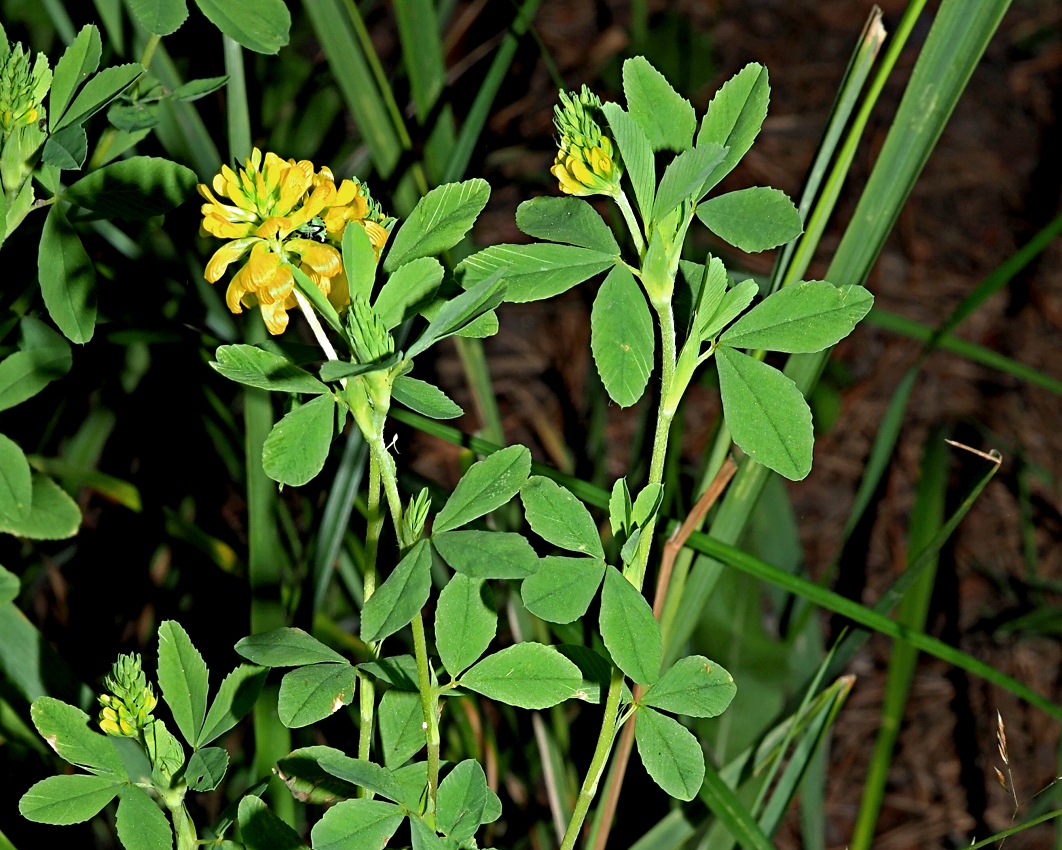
{"x": 323, "y": 259}
{"x": 224, "y": 256}
{"x": 276, "y": 318}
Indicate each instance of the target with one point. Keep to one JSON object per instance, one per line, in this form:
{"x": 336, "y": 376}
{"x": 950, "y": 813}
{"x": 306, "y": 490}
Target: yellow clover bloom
{"x": 587, "y": 161}
{"x": 127, "y": 708}
{"x": 280, "y": 213}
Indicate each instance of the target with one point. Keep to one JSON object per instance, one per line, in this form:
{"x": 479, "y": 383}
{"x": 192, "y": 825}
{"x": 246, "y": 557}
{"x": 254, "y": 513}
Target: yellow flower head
{"x": 279, "y": 214}
{"x": 127, "y": 708}
{"x": 587, "y": 161}
{"x": 22, "y": 87}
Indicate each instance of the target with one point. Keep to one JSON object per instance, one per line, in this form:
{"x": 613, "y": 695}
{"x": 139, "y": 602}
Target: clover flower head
{"x": 127, "y": 708}
{"x": 587, "y": 161}
{"x": 23, "y": 86}
{"x": 280, "y": 214}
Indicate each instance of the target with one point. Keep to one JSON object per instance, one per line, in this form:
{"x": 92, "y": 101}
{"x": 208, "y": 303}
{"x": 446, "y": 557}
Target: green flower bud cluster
{"x": 414, "y": 517}
{"x": 370, "y": 338}
{"x": 22, "y": 87}
{"x": 587, "y": 160}
{"x": 127, "y": 708}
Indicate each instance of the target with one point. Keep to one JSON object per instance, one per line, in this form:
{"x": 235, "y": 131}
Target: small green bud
{"x": 372, "y": 341}
{"x": 22, "y": 88}
{"x": 416, "y": 515}
{"x": 127, "y": 708}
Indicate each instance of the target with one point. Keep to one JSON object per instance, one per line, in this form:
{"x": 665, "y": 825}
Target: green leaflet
{"x": 356, "y": 824}
{"x": 309, "y": 694}
{"x": 161, "y": 17}
{"x": 569, "y": 220}
{"x": 527, "y": 675}
{"x": 426, "y": 399}
{"x": 78, "y": 62}
{"x": 250, "y": 365}
{"x": 766, "y": 414}
{"x": 487, "y": 485}
{"x": 534, "y": 272}
{"x": 734, "y": 117}
{"x": 140, "y": 823}
{"x": 67, "y": 731}
{"x": 67, "y": 799}
{"x": 407, "y": 290}
{"x": 401, "y": 721}
{"x": 44, "y": 356}
{"x": 753, "y": 219}
{"x": 16, "y": 484}
{"x": 285, "y": 647}
{"x": 629, "y": 630}
{"x": 555, "y": 515}
{"x": 67, "y": 276}
{"x": 307, "y": 780}
{"x": 622, "y": 337}
{"x": 487, "y": 554}
{"x": 637, "y": 155}
{"x": 731, "y": 305}
{"x": 260, "y": 829}
{"x": 684, "y": 177}
{"x": 53, "y": 515}
{"x": 458, "y": 313}
{"x": 137, "y": 188}
{"x": 670, "y": 752}
{"x": 563, "y": 588}
{"x": 183, "y": 679}
{"x": 10, "y": 586}
{"x": 259, "y": 25}
{"x": 359, "y": 263}
{"x": 693, "y": 686}
{"x": 397, "y": 601}
{"x": 438, "y": 222}
{"x": 462, "y": 800}
{"x": 364, "y": 774}
{"x": 465, "y": 622}
{"x": 801, "y": 318}
{"x": 97, "y": 93}
{"x": 297, "y": 447}
{"x": 666, "y": 117}
{"x": 206, "y": 768}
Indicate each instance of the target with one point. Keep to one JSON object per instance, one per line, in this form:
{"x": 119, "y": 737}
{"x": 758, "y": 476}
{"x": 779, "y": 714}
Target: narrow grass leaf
{"x": 622, "y": 337}
{"x": 725, "y": 805}
{"x": 527, "y": 675}
{"x": 397, "y": 601}
{"x": 671, "y": 754}
{"x": 569, "y": 220}
{"x": 487, "y": 485}
{"x": 629, "y": 630}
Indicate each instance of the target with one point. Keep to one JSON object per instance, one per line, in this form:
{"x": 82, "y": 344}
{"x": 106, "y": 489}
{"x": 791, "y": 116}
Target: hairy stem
{"x": 183, "y": 827}
{"x": 597, "y": 764}
{"x": 428, "y": 703}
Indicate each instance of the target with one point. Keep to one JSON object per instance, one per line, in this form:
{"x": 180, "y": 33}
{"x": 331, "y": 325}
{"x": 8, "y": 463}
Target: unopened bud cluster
{"x": 22, "y": 88}
{"x": 127, "y": 708}
{"x": 587, "y": 161}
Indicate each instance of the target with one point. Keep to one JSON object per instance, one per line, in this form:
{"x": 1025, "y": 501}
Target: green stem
{"x": 428, "y": 703}
{"x": 665, "y": 414}
{"x": 183, "y": 827}
{"x": 373, "y": 530}
{"x": 597, "y": 764}
{"x": 632, "y": 223}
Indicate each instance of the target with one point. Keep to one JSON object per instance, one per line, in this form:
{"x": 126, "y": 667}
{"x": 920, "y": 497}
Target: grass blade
{"x": 422, "y": 52}
{"x": 725, "y": 805}
{"x": 239, "y": 117}
{"x": 926, "y": 520}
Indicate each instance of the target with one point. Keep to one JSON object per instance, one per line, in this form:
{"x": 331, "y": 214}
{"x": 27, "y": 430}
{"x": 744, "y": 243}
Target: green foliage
{"x": 140, "y": 823}
{"x": 254, "y": 367}
{"x": 527, "y": 675}
{"x": 206, "y": 768}
{"x": 309, "y": 694}
{"x": 487, "y": 554}
{"x": 693, "y": 686}
{"x": 183, "y": 678}
{"x": 285, "y": 647}
{"x": 424, "y": 398}
{"x": 438, "y": 222}
{"x": 666, "y": 118}
{"x": 569, "y": 220}
{"x": 556, "y": 516}
{"x": 534, "y": 272}
{"x": 399, "y": 599}
{"x": 629, "y": 630}
{"x": 487, "y": 485}
{"x": 563, "y": 588}
{"x": 68, "y": 278}
{"x": 462, "y": 800}
{"x": 67, "y": 799}
{"x": 465, "y": 622}
{"x": 753, "y": 220}
{"x": 621, "y": 337}
{"x": 297, "y": 447}
{"x": 670, "y": 753}
{"x": 135, "y": 189}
